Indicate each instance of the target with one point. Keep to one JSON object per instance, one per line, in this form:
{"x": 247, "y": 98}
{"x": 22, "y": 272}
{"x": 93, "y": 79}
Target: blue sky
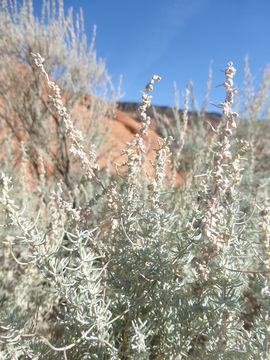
{"x": 176, "y": 39}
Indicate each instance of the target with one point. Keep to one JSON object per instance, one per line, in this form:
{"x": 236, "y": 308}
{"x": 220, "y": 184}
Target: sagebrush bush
{"x": 128, "y": 266}
{"x": 75, "y": 67}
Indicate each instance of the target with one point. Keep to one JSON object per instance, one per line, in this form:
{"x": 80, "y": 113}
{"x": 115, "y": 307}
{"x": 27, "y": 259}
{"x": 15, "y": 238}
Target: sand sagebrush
{"x": 142, "y": 269}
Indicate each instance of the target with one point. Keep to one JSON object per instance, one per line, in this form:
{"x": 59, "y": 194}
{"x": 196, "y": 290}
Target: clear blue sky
{"x": 176, "y": 39}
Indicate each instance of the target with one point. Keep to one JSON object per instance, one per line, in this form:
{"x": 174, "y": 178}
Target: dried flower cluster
{"x": 88, "y": 161}
{"x": 162, "y": 160}
{"x": 223, "y": 178}
{"x": 223, "y": 151}
{"x": 136, "y": 148}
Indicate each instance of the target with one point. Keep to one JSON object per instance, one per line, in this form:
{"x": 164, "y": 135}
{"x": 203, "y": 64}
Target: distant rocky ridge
{"x": 131, "y": 107}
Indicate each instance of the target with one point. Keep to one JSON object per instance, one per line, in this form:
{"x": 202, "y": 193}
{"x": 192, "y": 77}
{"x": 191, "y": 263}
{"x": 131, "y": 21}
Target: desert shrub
{"x": 25, "y": 111}
{"x": 127, "y": 266}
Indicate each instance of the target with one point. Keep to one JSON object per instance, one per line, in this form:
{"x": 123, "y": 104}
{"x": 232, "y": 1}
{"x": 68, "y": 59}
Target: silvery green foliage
{"x": 143, "y": 270}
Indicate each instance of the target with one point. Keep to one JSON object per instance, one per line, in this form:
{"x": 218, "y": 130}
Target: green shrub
{"x": 142, "y": 269}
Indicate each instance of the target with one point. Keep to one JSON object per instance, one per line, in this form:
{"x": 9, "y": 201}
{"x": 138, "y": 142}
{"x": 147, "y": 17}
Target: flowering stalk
{"x": 162, "y": 159}
{"x": 136, "y": 149}
{"x": 223, "y": 177}
{"x": 223, "y": 152}
{"x": 88, "y": 162}
{"x": 8, "y": 204}
{"x": 226, "y": 175}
